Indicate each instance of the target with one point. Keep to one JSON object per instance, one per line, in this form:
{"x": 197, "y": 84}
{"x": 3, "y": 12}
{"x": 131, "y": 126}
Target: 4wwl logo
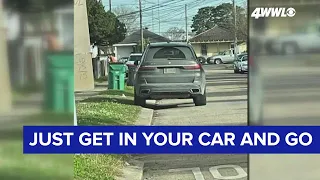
{"x": 273, "y": 12}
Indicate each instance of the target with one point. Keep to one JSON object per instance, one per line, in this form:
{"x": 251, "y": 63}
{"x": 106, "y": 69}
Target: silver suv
{"x": 169, "y": 71}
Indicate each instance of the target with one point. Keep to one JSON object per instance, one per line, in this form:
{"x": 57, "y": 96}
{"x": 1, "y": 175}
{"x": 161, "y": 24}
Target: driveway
{"x": 226, "y": 105}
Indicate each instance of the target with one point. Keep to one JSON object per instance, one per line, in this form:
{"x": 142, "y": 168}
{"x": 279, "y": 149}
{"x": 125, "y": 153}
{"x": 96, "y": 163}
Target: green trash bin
{"x": 59, "y": 82}
{"x": 116, "y": 76}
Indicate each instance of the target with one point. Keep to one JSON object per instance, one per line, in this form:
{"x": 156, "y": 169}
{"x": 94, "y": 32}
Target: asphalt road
{"x": 291, "y": 90}
{"x": 291, "y": 86}
{"x": 226, "y": 105}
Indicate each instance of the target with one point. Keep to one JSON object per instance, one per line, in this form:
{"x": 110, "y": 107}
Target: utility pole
{"x": 141, "y": 28}
{"x": 186, "y": 16}
{"x": 235, "y": 29}
{"x": 159, "y": 15}
{"x": 110, "y": 5}
{"x": 152, "y": 21}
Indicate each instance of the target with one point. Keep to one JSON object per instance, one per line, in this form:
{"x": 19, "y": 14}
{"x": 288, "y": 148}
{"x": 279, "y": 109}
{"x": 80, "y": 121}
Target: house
{"x": 216, "y": 40}
{"x": 130, "y": 43}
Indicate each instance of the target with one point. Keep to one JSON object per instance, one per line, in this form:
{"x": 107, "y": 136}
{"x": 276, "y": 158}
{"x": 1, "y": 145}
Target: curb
{"x": 145, "y": 117}
{"x": 133, "y": 169}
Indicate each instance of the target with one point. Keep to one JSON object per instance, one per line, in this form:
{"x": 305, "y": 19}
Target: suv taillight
{"x": 146, "y": 68}
{"x": 191, "y": 67}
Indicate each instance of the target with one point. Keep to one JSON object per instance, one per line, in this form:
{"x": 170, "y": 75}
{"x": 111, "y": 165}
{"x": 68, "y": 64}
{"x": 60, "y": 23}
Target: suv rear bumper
{"x": 169, "y": 91}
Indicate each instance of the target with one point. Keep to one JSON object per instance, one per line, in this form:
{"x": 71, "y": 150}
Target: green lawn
{"x": 108, "y": 108}
{"x": 16, "y": 165}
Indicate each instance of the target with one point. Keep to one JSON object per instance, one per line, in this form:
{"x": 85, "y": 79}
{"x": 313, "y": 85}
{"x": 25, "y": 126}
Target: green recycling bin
{"x": 116, "y": 76}
{"x": 59, "y": 82}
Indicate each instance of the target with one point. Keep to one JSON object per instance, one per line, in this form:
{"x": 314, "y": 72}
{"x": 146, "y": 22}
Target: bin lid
{"x": 117, "y": 67}
{"x": 61, "y": 59}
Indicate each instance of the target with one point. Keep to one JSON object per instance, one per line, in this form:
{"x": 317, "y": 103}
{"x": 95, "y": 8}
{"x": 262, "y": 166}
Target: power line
{"x": 166, "y": 3}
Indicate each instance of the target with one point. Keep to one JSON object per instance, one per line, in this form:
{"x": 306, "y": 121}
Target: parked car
{"x": 169, "y": 70}
{"x": 133, "y": 58}
{"x": 222, "y": 58}
{"x": 304, "y": 40}
{"x": 123, "y": 59}
{"x": 241, "y": 64}
{"x": 131, "y": 61}
{"x": 203, "y": 59}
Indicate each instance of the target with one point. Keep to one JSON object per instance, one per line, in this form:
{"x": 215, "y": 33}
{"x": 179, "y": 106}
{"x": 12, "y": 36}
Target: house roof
{"x": 136, "y": 36}
{"x": 168, "y": 44}
{"x": 215, "y": 34}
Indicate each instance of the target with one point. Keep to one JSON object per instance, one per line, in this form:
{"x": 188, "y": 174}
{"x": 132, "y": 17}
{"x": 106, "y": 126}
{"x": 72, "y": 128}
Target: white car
{"x": 241, "y": 64}
{"x": 304, "y": 40}
{"x": 223, "y": 58}
{"x": 132, "y": 58}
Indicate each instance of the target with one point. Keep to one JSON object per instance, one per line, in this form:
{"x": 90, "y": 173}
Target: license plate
{"x": 169, "y": 71}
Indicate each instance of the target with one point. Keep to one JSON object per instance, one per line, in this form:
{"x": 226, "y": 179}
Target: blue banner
{"x": 171, "y": 139}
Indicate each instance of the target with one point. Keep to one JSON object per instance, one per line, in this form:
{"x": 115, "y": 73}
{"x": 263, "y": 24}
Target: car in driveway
{"x": 241, "y": 64}
{"x": 169, "y": 70}
{"x": 134, "y": 57}
{"x": 222, "y": 58}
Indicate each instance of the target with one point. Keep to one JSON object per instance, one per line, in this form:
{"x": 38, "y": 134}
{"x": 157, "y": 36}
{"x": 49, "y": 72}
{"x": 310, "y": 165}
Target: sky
{"x": 171, "y": 12}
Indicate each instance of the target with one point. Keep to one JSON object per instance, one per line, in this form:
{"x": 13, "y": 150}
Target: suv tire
{"x": 200, "y": 100}
{"x": 139, "y": 101}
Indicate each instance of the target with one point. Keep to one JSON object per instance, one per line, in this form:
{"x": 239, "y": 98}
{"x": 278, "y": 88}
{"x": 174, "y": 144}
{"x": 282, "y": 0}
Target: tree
{"x": 146, "y": 41}
{"x": 221, "y": 16}
{"x": 175, "y": 34}
{"x": 104, "y": 27}
{"x": 127, "y": 16}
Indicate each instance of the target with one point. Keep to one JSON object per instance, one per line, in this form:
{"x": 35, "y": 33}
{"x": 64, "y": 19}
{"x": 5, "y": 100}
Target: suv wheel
{"x": 139, "y": 101}
{"x": 200, "y": 100}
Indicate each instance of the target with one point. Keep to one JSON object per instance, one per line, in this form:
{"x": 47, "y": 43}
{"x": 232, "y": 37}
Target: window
{"x": 164, "y": 53}
{"x": 204, "y": 49}
{"x": 169, "y": 52}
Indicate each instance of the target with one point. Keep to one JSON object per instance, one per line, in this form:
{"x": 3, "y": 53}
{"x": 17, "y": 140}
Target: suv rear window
{"x": 164, "y": 53}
